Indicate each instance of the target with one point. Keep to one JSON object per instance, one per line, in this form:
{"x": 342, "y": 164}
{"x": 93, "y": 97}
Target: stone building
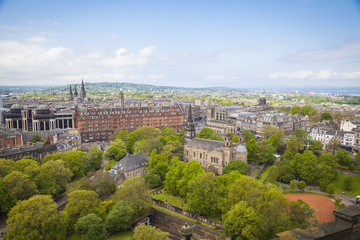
{"x": 212, "y": 155}
{"x": 130, "y": 166}
{"x": 97, "y": 123}
{"x": 41, "y": 118}
{"x": 38, "y": 150}
{"x": 356, "y": 145}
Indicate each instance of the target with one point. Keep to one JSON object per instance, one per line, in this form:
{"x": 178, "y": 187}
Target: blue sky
{"x": 198, "y": 43}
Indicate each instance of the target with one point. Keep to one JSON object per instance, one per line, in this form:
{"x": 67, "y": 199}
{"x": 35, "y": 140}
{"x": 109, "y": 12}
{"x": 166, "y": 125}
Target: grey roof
{"x": 131, "y": 162}
{"x": 207, "y": 144}
{"x": 16, "y": 107}
{"x": 44, "y": 107}
{"x": 241, "y": 148}
{"x": 43, "y": 134}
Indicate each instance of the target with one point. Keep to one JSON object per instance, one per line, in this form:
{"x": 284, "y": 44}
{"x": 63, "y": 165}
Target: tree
{"x": 202, "y": 196}
{"x": 266, "y": 153}
{"x": 344, "y": 158}
{"x": 248, "y": 135}
{"x": 95, "y": 157}
{"x": 158, "y": 163}
{"x": 348, "y": 183}
{"x": 142, "y": 232}
{"x": 35, "y": 138}
{"x": 236, "y": 165}
{"x": 301, "y": 185}
{"x": 269, "y": 130}
{"x": 80, "y": 204}
{"x": 306, "y": 166}
{"x": 327, "y": 170}
{"x": 147, "y": 145}
{"x": 295, "y": 110}
{"x": 307, "y": 110}
{"x": 251, "y": 147}
{"x": 241, "y": 222}
{"x": 174, "y": 175}
{"x": 316, "y": 146}
{"x": 136, "y": 193}
{"x": 301, "y": 214}
{"x": 274, "y": 141}
{"x": 333, "y": 146}
{"x": 292, "y": 185}
{"x": 330, "y": 189}
{"x": 153, "y": 179}
{"x": 114, "y": 153}
{"x": 205, "y": 133}
{"x": 357, "y": 162}
{"x": 146, "y": 132}
{"x": 286, "y": 173}
{"x": 20, "y": 185}
{"x": 273, "y": 174}
{"x": 90, "y": 226}
{"x": 326, "y": 116}
{"x": 6, "y": 166}
{"x": 6, "y": 201}
{"x": 292, "y": 147}
{"x": 77, "y": 162}
{"x": 301, "y": 135}
{"x": 190, "y": 171}
{"x": 119, "y": 218}
{"x": 36, "y": 219}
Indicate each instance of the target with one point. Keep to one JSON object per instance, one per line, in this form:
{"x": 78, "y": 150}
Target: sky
{"x": 197, "y": 43}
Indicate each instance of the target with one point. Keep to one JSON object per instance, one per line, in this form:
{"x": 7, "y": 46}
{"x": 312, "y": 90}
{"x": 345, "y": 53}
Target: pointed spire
{"x": 70, "y": 94}
{"x": 189, "y": 126}
{"x": 82, "y": 90}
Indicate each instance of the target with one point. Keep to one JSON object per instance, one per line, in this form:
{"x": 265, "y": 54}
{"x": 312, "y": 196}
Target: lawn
{"x": 174, "y": 200}
{"x": 339, "y": 184}
{"x": 261, "y": 178}
{"x": 121, "y": 236}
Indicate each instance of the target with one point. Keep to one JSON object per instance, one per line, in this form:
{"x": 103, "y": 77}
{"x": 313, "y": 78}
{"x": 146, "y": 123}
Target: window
{"x": 200, "y": 155}
{"x": 194, "y": 154}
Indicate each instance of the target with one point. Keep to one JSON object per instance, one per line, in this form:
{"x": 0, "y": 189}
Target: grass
{"x": 174, "y": 200}
{"x": 127, "y": 235}
{"x": 339, "y": 184}
{"x": 263, "y": 175}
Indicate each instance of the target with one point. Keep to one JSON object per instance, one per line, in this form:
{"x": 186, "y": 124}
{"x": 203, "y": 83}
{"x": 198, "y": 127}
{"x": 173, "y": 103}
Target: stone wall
{"x": 172, "y": 224}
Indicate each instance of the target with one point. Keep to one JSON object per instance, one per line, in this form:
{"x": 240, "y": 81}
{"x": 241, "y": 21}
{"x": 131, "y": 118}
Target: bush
{"x": 301, "y": 185}
{"x": 330, "y": 189}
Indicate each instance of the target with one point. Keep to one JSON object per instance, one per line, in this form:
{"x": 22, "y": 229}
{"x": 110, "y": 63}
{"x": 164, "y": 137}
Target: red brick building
{"x": 98, "y": 123}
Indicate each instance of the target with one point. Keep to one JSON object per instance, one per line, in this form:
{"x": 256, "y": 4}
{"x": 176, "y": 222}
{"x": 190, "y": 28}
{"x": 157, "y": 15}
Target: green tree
{"x": 292, "y": 184}
{"x": 237, "y": 165}
{"x": 90, "y": 226}
{"x": 203, "y": 194}
{"x": 174, "y": 175}
{"x": 286, "y": 173}
{"x": 273, "y": 174}
{"x": 333, "y": 146}
{"x": 158, "y": 163}
{"x": 35, "y": 138}
{"x": 241, "y": 222}
{"x": 248, "y": 135}
{"x": 77, "y": 162}
{"x": 24, "y": 163}
{"x": 136, "y": 193}
{"x": 326, "y": 116}
{"x": 115, "y": 153}
{"x": 357, "y": 162}
{"x": 147, "y": 145}
{"x": 153, "y": 179}
{"x": 205, "y": 133}
{"x": 36, "y": 219}
{"x": 301, "y": 214}
{"x": 80, "y": 204}
{"x": 269, "y": 130}
{"x": 295, "y": 110}
{"x": 190, "y": 171}
{"x": 292, "y": 147}
{"x": 316, "y": 146}
{"x": 6, "y": 201}
{"x": 142, "y": 232}
{"x": 20, "y": 185}
{"x": 327, "y": 170}
{"x": 307, "y": 110}
{"x": 344, "y": 158}
{"x": 306, "y": 166}
{"x": 274, "y": 141}
{"x": 301, "y": 135}
{"x": 251, "y": 148}
{"x": 301, "y": 185}
{"x": 119, "y": 218}
{"x": 122, "y": 135}
{"x": 95, "y": 157}
{"x": 266, "y": 153}
{"x": 6, "y": 166}
{"x": 330, "y": 189}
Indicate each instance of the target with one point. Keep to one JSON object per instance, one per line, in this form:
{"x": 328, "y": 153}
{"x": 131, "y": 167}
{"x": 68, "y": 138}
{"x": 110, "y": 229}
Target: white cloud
{"x": 30, "y": 63}
{"x": 344, "y": 51}
{"x": 7, "y": 27}
{"x": 321, "y": 75}
{"x": 38, "y": 39}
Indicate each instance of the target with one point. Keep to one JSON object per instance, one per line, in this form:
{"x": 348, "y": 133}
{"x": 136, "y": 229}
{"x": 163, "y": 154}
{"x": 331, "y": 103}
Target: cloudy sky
{"x": 195, "y": 43}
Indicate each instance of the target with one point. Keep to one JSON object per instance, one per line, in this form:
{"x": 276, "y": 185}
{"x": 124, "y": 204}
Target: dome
{"x": 241, "y": 148}
{"x": 15, "y": 107}
{"x": 43, "y": 107}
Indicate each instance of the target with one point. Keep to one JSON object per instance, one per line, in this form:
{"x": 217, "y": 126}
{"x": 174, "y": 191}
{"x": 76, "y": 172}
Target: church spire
{"x": 75, "y": 92}
{"x": 70, "y": 94}
{"x": 189, "y": 126}
{"x": 82, "y": 90}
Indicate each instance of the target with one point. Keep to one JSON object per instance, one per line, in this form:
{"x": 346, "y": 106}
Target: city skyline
{"x": 238, "y": 44}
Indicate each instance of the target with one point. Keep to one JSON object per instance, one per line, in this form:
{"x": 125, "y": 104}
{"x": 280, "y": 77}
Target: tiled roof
{"x": 131, "y": 162}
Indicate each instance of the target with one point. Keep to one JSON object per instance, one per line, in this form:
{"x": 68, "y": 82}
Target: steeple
{"x": 121, "y": 100}
{"x": 75, "y": 92}
{"x": 189, "y": 126}
{"x": 70, "y": 94}
{"x": 82, "y": 90}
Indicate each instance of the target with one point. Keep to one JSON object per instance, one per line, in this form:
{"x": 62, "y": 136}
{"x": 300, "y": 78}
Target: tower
{"x": 121, "y": 100}
{"x": 227, "y": 149}
{"x": 82, "y": 90}
{"x": 70, "y": 95}
{"x": 189, "y": 128}
{"x": 75, "y": 92}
